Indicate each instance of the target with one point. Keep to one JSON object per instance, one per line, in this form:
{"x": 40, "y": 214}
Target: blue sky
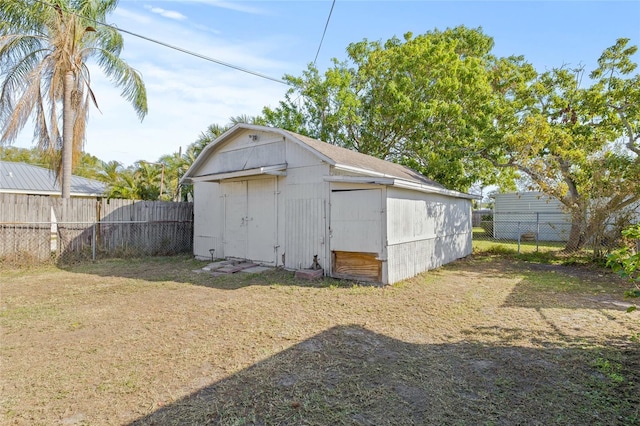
{"x": 186, "y": 94}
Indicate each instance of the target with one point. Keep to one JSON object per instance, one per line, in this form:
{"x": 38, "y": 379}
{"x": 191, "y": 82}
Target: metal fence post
{"x": 518, "y": 237}
{"x": 93, "y": 242}
{"x": 537, "y": 231}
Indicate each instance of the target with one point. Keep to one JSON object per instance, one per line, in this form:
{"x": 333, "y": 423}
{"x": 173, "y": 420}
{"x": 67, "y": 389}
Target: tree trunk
{"x": 577, "y": 237}
{"x": 68, "y": 119}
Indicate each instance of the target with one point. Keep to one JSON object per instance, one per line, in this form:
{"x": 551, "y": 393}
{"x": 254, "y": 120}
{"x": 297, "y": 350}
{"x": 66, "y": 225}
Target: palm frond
{"x": 22, "y": 108}
{"x": 126, "y": 77}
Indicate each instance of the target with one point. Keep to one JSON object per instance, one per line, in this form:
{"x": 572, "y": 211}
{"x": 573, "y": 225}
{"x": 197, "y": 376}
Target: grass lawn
{"x": 485, "y": 340}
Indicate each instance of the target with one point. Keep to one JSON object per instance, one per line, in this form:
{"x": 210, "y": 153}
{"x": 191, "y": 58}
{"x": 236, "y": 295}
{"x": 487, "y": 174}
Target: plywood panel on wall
{"x": 359, "y": 266}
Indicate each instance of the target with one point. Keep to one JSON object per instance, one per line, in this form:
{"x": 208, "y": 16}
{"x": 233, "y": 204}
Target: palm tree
{"x": 148, "y": 180}
{"x": 110, "y": 172}
{"x": 176, "y": 165}
{"x": 124, "y": 185}
{"x": 138, "y": 182}
{"x": 206, "y": 137}
{"x": 247, "y": 119}
{"x": 44, "y": 51}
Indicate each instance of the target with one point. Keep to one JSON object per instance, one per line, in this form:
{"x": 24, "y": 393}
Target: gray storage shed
{"x": 280, "y": 198}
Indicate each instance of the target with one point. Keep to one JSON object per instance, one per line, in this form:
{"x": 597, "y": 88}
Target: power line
{"x": 179, "y": 49}
{"x": 324, "y": 32}
{"x": 201, "y": 56}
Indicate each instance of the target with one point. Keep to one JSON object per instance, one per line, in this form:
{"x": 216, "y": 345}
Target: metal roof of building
{"x": 22, "y": 178}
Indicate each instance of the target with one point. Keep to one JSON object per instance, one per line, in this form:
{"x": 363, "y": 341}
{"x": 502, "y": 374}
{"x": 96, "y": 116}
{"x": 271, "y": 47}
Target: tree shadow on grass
{"x": 351, "y": 375}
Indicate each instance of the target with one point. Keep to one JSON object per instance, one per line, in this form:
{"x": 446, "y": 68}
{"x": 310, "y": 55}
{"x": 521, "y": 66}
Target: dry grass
{"x": 481, "y": 341}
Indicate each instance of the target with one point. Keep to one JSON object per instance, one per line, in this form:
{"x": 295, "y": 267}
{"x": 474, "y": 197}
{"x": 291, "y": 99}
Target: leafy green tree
{"x": 431, "y": 102}
{"x": 24, "y": 155}
{"x": 45, "y": 49}
{"x": 88, "y": 165}
{"x": 581, "y": 144}
{"x": 148, "y": 180}
{"x": 444, "y": 105}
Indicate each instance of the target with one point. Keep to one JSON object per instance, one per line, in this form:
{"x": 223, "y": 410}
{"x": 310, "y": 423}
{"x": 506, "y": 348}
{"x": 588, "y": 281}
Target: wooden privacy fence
{"x": 39, "y": 228}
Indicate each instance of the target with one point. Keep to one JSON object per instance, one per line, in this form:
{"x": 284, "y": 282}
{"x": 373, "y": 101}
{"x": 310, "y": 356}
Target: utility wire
{"x": 320, "y": 45}
{"x": 179, "y": 49}
{"x": 201, "y": 56}
{"x": 324, "y": 32}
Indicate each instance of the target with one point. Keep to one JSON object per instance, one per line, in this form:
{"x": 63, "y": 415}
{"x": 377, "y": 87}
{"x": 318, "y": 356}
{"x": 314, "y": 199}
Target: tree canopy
{"x": 426, "y": 102}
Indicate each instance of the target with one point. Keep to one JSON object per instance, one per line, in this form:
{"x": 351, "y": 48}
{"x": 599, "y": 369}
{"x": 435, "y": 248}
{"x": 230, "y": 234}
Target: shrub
{"x": 626, "y": 261}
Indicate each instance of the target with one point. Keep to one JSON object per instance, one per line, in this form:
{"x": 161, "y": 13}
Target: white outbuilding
{"x": 279, "y": 198}
{"x": 516, "y": 214}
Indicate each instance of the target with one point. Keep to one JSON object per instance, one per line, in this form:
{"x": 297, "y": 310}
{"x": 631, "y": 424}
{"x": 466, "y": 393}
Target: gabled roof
{"x": 340, "y": 158}
{"x": 22, "y": 178}
{"x": 346, "y": 157}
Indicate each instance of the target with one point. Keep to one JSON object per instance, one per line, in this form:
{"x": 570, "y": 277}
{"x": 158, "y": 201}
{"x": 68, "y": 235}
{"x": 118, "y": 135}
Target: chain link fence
{"x": 69, "y": 242}
{"x": 543, "y": 231}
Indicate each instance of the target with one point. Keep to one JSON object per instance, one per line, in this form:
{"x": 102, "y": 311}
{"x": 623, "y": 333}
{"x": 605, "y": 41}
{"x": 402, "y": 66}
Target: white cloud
{"x": 132, "y": 16}
{"x": 171, "y": 14}
{"x": 182, "y": 103}
{"x": 185, "y": 94}
{"x": 238, "y": 7}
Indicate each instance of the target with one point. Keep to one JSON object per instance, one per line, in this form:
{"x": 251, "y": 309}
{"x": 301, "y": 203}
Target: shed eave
{"x": 277, "y": 170}
{"x": 400, "y": 183}
{"x": 358, "y": 170}
{"x": 360, "y": 179}
{"x": 385, "y": 179}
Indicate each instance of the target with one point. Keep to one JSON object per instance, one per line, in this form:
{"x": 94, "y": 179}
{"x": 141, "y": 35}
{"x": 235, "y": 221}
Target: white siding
{"x": 525, "y": 212}
{"x": 245, "y": 154}
{"x": 305, "y": 215}
{"x": 305, "y": 233}
{"x": 356, "y": 220}
{"x": 425, "y": 231}
{"x": 261, "y": 225}
{"x": 208, "y": 220}
{"x": 234, "y": 229}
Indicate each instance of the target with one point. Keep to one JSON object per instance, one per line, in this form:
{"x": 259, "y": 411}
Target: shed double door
{"x": 249, "y": 231}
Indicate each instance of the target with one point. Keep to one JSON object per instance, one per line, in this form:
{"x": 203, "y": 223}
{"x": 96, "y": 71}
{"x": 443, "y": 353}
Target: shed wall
{"x": 305, "y": 215}
{"x": 425, "y": 231}
{"x": 356, "y": 233}
{"x": 208, "y": 219}
{"x": 299, "y": 225}
{"x": 244, "y": 153}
